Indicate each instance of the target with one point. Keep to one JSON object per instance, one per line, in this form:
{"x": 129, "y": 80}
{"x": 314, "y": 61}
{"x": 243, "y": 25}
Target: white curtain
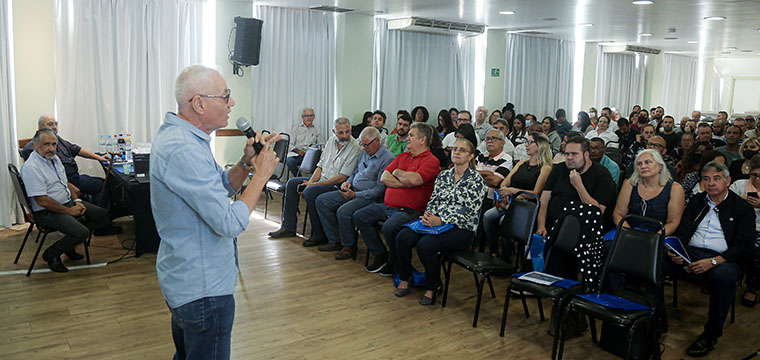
{"x": 538, "y": 74}
{"x": 296, "y": 69}
{"x": 411, "y": 69}
{"x": 619, "y": 80}
{"x": 116, "y": 62}
{"x": 679, "y": 85}
{"x": 472, "y": 56}
{"x": 8, "y": 140}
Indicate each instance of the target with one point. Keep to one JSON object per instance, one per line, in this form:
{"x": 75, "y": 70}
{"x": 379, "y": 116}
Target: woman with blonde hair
{"x": 528, "y": 175}
{"x": 739, "y": 170}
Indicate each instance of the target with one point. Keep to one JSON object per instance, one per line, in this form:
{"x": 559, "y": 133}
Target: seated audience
{"x": 740, "y": 169}
{"x": 549, "y": 127}
{"x": 454, "y": 115}
{"x": 466, "y": 131}
{"x": 563, "y": 126}
{"x": 584, "y": 124}
{"x": 747, "y": 189}
{"x": 731, "y": 150}
{"x": 521, "y": 150}
{"x": 445, "y": 123}
{"x": 669, "y": 134}
{"x": 658, "y": 144}
{"x": 464, "y": 118}
{"x": 597, "y": 154}
{"x": 527, "y": 175}
{"x": 420, "y": 114}
{"x": 501, "y": 125}
{"x": 641, "y": 143}
{"x": 717, "y": 229}
{"x": 337, "y": 163}
{"x": 398, "y": 139}
{"x": 692, "y": 182}
{"x": 495, "y": 115}
{"x": 378, "y": 122}
{"x": 718, "y": 132}
{"x": 494, "y": 164}
{"x": 585, "y": 186}
{"x": 519, "y": 133}
{"x": 626, "y": 135}
{"x": 55, "y": 203}
{"x": 687, "y": 141}
{"x": 409, "y": 179}
{"x": 690, "y": 161}
{"x": 481, "y": 125}
{"x": 456, "y": 200}
{"x": 302, "y": 136}
{"x": 604, "y": 132}
{"x": 336, "y": 208}
{"x": 560, "y": 156}
{"x": 357, "y": 129}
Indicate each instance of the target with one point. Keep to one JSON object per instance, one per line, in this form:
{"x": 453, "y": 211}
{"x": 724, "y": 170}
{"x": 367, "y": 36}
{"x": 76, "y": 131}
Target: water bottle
{"x": 115, "y": 144}
{"x": 109, "y": 145}
{"x": 102, "y": 143}
{"x": 121, "y": 144}
{"x": 128, "y": 147}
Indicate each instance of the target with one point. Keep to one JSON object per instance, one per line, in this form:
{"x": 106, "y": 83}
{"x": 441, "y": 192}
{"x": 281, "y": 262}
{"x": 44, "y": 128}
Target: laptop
{"x": 142, "y": 168}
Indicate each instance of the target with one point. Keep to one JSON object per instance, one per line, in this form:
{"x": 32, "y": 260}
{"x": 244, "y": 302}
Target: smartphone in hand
{"x": 301, "y": 188}
{"x": 752, "y": 194}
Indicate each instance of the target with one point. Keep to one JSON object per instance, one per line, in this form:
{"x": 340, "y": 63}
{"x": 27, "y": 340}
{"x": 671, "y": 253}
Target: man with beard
{"x": 668, "y": 133}
{"x": 55, "y": 203}
{"x": 397, "y": 142}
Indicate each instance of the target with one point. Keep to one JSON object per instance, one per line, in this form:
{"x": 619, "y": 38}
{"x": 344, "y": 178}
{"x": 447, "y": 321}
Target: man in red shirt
{"x": 410, "y": 179}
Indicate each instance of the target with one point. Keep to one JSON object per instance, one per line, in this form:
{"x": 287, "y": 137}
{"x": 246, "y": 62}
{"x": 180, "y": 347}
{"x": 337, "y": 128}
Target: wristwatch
{"x": 77, "y": 200}
{"x": 713, "y": 262}
{"x": 245, "y": 166}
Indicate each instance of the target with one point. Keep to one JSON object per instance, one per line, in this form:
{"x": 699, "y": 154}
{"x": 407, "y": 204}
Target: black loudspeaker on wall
{"x": 247, "y": 42}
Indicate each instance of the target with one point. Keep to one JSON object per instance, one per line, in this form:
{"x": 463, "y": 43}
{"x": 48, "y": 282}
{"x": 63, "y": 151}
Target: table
{"x": 138, "y": 199}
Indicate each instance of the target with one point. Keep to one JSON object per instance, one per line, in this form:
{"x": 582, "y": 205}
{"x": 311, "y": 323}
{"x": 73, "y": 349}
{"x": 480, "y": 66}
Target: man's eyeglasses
{"x": 369, "y": 143}
{"x": 492, "y": 138}
{"x": 754, "y": 176}
{"x": 655, "y": 145}
{"x": 461, "y": 119}
{"x": 226, "y": 96}
{"x": 52, "y": 123}
{"x": 460, "y": 149}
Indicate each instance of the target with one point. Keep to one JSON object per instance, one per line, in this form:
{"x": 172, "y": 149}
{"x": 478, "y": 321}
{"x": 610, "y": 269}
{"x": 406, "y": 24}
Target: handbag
{"x": 417, "y": 227}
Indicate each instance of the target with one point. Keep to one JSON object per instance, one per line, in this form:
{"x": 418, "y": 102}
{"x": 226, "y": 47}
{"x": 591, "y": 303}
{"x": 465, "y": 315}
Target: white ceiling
{"x": 613, "y": 20}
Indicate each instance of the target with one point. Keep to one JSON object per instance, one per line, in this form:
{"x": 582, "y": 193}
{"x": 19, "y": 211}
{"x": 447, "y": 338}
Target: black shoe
{"x": 111, "y": 230}
{"x": 378, "y": 264}
{"x": 749, "y": 303}
{"x": 386, "y": 270}
{"x": 74, "y": 255}
{"x": 401, "y": 292}
{"x": 314, "y": 242}
{"x": 426, "y": 301}
{"x": 281, "y": 233}
{"x": 54, "y": 263}
{"x": 702, "y": 346}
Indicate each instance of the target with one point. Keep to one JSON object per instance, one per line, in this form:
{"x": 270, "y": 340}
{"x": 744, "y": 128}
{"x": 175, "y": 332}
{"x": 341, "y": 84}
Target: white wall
{"x": 354, "y": 68}
{"x": 34, "y": 72}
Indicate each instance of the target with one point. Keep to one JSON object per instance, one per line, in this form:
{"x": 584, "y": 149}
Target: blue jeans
{"x": 491, "y": 221}
{"x": 93, "y": 187}
{"x": 337, "y": 216}
{"x": 202, "y": 329}
{"x": 290, "y": 213}
{"x": 395, "y": 219}
{"x": 294, "y": 162}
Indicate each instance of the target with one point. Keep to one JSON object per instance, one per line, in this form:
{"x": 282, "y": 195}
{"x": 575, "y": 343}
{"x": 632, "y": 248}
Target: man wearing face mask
{"x": 336, "y": 164}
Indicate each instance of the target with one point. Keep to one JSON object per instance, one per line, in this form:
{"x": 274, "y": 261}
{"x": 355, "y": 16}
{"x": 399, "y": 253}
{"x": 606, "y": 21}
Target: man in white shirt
{"x": 302, "y": 136}
{"x": 482, "y": 127}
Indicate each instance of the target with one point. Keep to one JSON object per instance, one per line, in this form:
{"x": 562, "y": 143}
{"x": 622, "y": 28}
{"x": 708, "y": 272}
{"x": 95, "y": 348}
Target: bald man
{"x": 190, "y": 197}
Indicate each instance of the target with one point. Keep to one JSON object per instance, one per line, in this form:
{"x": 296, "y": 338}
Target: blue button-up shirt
{"x": 709, "y": 233}
{"x": 45, "y": 177}
{"x": 189, "y": 195}
{"x": 366, "y": 177}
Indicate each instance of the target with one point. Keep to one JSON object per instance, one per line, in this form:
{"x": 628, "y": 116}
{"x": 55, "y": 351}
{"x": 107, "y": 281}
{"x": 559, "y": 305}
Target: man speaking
{"x": 197, "y": 258}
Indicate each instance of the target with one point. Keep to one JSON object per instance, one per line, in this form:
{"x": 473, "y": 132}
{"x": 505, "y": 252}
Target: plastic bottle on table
{"x": 102, "y": 143}
{"x": 128, "y": 147}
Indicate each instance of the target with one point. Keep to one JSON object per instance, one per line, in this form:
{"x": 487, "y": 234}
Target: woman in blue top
{"x": 457, "y": 198}
{"x": 651, "y": 192}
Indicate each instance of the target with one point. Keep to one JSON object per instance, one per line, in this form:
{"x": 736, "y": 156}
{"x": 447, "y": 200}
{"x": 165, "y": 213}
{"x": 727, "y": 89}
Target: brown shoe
{"x": 346, "y": 252}
{"x": 329, "y": 247}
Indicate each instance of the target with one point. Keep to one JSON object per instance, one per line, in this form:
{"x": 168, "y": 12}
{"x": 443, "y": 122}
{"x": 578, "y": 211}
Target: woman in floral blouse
{"x": 457, "y": 198}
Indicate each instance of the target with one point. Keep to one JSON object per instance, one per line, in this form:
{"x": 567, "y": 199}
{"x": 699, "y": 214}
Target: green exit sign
{"x": 494, "y": 72}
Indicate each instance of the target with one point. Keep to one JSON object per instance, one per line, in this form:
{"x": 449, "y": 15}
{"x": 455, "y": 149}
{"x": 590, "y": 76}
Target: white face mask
{"x": 592, "y": 114}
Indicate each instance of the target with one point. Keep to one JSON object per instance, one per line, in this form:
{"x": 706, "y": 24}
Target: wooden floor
{"x": 292, "y": 303}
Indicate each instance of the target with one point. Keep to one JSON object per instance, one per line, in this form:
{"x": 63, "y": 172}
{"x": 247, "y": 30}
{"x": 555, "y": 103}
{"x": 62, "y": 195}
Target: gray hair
{"x": 341, "y": 121}
{"x": 499, "y": 135}
{"x": 423, "y": 130}
{"x": 369, "y": 133}
{"x": 43, "y": 119}
{"x": 664, "y": 172}
{"x": 39, "y": 133}
{"x": 716, "y": 166}
{"x": 190, "y": 80}
{"x": 303, "y": 112}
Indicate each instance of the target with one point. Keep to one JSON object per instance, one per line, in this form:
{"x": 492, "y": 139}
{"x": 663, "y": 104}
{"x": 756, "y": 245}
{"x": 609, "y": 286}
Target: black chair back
{"x": 18, "y": 185}
{"x": 519, "y": 221}
{"x": 637, "y": 253}
{"x": 310, "y": 161}
{"x": 281, "y": 150}
{"x": 565, "y": 238}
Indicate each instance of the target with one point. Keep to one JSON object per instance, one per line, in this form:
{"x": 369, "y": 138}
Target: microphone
{"x": 245, "y": 126}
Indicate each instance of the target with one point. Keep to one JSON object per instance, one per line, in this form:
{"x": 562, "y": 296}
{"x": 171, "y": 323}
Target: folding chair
{"x": 517, "y": 227}
{"x": 275, "y": 184}
{"x": 26, "y": 207}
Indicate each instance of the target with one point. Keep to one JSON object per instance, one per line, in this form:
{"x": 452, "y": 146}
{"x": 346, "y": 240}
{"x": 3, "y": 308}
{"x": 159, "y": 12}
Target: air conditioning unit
{"x": 444, "y": 27}
{"x": 619, "y": 47}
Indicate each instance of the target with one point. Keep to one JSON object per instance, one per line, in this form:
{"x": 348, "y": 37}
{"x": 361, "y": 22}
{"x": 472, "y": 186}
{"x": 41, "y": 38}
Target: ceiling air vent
{"x": 435, "y": 26}
{"x": 330, "y": 8}
{"x": 642, "y": 50}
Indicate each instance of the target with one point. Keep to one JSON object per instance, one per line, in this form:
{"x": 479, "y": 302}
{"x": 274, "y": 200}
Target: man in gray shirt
{"x": 55, "y": 203}
{"x": 481, "y": 126}
{"x": 302, "y": 135}
{"x": 336, "y": 208}
{"x": 336, "y": 164}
